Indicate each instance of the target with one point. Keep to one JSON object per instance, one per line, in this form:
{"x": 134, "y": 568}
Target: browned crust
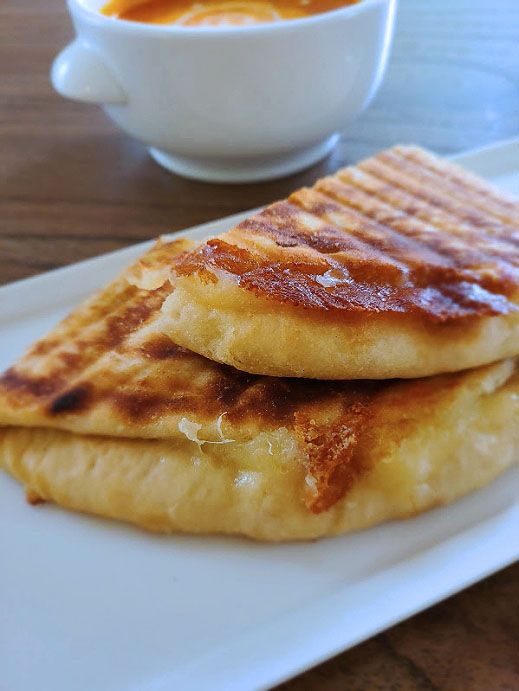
{"x": 331, "y": 457}
{"x": 109, "y": 351}
{"x": 396, "y": 236}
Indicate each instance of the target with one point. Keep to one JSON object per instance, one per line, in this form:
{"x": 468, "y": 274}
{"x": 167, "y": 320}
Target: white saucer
{"x": 239, "y": 170}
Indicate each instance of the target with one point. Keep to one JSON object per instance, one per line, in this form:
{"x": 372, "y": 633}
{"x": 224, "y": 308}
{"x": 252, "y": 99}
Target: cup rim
{"x": 120, "y": 25}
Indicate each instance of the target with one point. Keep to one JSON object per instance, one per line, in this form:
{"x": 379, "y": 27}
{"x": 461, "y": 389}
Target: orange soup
{"x": 217, "y": 13}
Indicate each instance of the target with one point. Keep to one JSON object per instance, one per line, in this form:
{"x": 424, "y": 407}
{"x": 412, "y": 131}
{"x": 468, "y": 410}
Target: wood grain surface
{"x": 72, "y": 186}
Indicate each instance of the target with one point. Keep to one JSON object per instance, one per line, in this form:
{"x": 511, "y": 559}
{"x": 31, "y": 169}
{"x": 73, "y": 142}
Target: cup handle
{"x": 79, "y": 73}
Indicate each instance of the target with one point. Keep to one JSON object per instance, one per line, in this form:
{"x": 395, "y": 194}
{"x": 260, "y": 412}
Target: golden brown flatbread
{"x": 106, "y": 415}
{"x": 401, "y": 266}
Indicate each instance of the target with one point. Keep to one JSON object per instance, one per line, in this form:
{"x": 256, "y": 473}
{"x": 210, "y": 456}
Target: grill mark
{"x": 295, "y": 283}
{"x": 406, "y": 249}
{"x": 459, "y": 194}
{"x": 424, "y": 221}
{"x": 276, "y": 399}
{"x": 71, "y": 361}
{"x": 401, "y": 174}
{"x": 134, "y": 405}
{"x": 420, "y": 272}
{"x": 362, "y": 260}
{"x": 162, "y": 348}
{"x": 468, "y": 187}
{"x": 329, "y": 239}
{"x": 44, "y": 347}
{"x": 381, "y": 170}
{"x": 300, "y": 290}
{"x": 39, "y": 387}
{"x": 120, "y": 326}
{"x": 78, "y": 399}
{"x": 434, "y": 214}
{"x": 241, "y": 396}
{"x": 425, "y": 272}
{"x": 471, "y": 296}
{"x": 89, "y": 319}
{"x": 391, "y": 262}
{"x": 229, "y": 385}
{"x": 115, "y": 329}
{"x": 144, "y": 406}
{"x": 289, "y": 225}
{"x": 234, "y": 260}
{"x": 81, "y": 338}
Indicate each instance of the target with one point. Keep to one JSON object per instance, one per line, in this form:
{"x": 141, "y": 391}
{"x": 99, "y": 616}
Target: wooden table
{"x": 72, "y": 186}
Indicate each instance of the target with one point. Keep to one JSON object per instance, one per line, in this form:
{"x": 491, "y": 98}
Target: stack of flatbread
{"x": 341, "y": 358}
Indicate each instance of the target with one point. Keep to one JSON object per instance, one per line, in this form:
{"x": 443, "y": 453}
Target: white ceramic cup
{"x": 237, "y": 104}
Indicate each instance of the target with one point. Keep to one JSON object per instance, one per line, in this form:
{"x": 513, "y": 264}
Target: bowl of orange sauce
{"x": 228, "y": 90}
{"x": 218, "y": 13}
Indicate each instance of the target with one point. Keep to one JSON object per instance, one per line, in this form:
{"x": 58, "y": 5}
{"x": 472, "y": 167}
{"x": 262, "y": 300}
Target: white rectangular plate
{"x": 90, "y": 604}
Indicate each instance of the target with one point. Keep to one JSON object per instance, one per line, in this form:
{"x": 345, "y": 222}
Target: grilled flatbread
{"x": 402, "y": 266}
{"x": 107, "y": 416}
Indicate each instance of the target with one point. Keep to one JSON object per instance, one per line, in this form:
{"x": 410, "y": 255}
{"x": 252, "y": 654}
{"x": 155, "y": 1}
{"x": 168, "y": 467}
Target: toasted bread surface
{"x": 401, "y": 266}
{"x": 417, "y": 458}
{"x": 106, "y": 415}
